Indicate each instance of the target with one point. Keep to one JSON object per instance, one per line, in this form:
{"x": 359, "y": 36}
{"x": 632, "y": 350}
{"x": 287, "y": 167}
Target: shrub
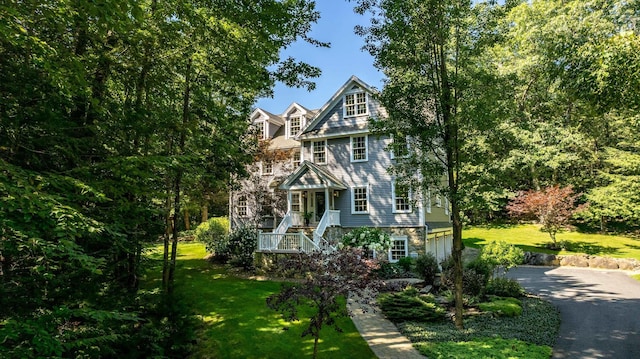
{"x": 474, "y": 278}
{"x": 214, "y": 234}
{"x": 369, "y": 239}
{"x": 408, "y": 305}
{"x": 481, "y": 267}
{"x": 387, "y": 270}
{"x": 504, "y": 287}
{"x": 427, "y": 267}
{"x": 503, "y": 307}
{"x": 242, "y": 243}
{"x": 502, "y": 254}
{"x": 406, "y": 263}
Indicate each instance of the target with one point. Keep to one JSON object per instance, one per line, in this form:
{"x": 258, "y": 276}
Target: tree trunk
{"x": 205, "y": 212}
{"x": 187, "y": 223}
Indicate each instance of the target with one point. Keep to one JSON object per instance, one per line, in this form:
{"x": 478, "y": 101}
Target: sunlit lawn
{"x": 636, "y": 277}
{"x": 531, "y": 238}
{"x": 236, "y": 322}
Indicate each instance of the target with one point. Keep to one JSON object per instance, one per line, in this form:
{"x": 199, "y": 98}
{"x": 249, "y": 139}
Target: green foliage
{"x": 501, "y": 254}
{"x": 636, "y": 277}
{"x": 496, "y": 348}
{"x": 408, "y": 305}
{"x": 406, "y": 263}
{"x": 538, "y": 324}
{"x": 388, "y": 270}
{"x": 474, "y": 276}
{"x": 427, "y": 267}
{"x": 214, "y": 233}
{"x": 504, "y": 287}
{"x": 243, "y": 242}
{"x": 503, "y": 307}
{"x": 370, "y": 239}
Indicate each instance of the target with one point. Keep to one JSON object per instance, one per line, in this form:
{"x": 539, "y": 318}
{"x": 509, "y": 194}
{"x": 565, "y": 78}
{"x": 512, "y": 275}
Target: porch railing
{"x": 286, "y": 222}
{"x": 285, "y": 242}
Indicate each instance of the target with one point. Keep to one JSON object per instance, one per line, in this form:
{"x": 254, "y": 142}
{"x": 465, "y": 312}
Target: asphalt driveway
{"x": 600, "y": 310}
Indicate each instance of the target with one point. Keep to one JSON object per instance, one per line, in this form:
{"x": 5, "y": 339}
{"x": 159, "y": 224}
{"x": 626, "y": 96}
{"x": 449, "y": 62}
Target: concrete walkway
{"x": 383, "y": 337}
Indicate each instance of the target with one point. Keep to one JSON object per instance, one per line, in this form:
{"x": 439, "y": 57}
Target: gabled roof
{"x": 275, "y": 119}
{"x": 337, "y": 97}
{"x": 327, "y": 178}
{"x": 298, "y": 106}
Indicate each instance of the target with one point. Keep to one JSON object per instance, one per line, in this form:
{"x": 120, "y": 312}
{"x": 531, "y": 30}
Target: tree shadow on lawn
{"x": 474, "y": 242}
{"x": 590, "y": 248}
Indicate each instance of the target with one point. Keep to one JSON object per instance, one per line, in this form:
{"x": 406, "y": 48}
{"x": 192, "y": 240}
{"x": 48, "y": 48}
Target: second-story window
{"x": 360, "y": 199}
{"x": 320, "y": 152}
{"x": 401, "y": 198}
{"x": 400, "y": 146}
{"x": 295, "y": 125}
{"x": 359, "y": 148}
{"x": 355, "y": 104}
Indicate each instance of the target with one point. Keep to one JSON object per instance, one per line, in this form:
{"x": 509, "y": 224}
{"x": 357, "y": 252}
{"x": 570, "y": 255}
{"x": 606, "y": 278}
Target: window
{"x": 438, "y": 201}
{"x": 267, "y": 168}
{"x": 400, "y": 146}
{"x": 260, "y": 130}
{"x": 401, "y": 198}
{"x": 355, "y": 104}
{"x": 241, "y": 206}
{"x": 295, "y": 202}
{"x": 320, "y": 152}
{"x": 428, "y": 201}
{"x": 360, "y": 199}
{"x": 399, "y": 248}
{"x": 296, "y": 159}
{"x": 295, "y": 125}
{"x": 359, "y": 149}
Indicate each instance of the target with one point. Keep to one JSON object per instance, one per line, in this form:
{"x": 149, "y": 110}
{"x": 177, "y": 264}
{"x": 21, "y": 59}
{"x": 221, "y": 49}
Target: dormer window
{"x": 295, "y": 125}
{"x": 260, "y": 130}
{"x": 355, "y": 104}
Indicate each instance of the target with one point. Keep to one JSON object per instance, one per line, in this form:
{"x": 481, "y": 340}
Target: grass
{"x": 507, "y": 307}
{"x": 531, "y": 238}
{"x": 636, "y": 277}
{"x": 530, "y": 335}
{"x": 235, "y": 321}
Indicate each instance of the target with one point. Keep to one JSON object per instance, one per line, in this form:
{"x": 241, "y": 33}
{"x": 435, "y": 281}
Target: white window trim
{"x": 303, "y": 120}
{"x": 264, "y": 129}
{"x": 405, "y": 239}
{"x": 263, "y": 172}
{"x": 446, "y": 206}
{"x": 355, "y": 96}
{"x": 299, "y": 201}
{"x": 313, "y": 152}
{"x": 353, "y": 199}
{"x": 438, "y": 201}
{"x": 293, "y": 161}
{"x": 366, "y": 149}
{"x": 245, "y": 206}
{"x": 393, "y": 200}
{"x": 428, "y": 204}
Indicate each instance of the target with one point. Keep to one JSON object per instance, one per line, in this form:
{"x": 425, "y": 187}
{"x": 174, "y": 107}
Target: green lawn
{"x": 636, "y": 277}
{"x": 236, "y": 323}
{"x": 531, "y": 238}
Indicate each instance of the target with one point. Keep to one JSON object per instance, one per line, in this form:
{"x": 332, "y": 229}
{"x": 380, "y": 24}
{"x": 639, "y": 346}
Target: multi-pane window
{"x": 296, "y": 159}
{"x": 241, "y": 206}
{"x": 399, "y": 248}
{"x": 360, "y": 199}
{"x": 401, "y": 199}
{"x": 355, "y": 104}
{"x": 260, "y": 130}
{"x": 267, "y": 168}
{"x": 320, "y": 152}
{"x": 359, "y": 148}
{"x": 295, "y": 202}
{"x": 438, "y": 201}
{"x": 295, "y": 125}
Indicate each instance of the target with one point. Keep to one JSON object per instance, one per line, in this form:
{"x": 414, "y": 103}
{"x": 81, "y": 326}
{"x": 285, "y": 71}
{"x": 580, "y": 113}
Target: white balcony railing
{"x": 285, "y": 242}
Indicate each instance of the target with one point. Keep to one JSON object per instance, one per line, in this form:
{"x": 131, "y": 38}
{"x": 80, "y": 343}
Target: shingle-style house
{"x": 336, "y": 179}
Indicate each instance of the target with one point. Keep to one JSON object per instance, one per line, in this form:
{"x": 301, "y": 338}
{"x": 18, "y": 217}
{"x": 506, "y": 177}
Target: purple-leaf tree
{"x": 326, "y": 277}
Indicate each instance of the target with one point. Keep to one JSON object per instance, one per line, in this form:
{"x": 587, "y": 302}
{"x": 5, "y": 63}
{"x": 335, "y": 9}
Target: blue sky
{"x": 338, "y": 63}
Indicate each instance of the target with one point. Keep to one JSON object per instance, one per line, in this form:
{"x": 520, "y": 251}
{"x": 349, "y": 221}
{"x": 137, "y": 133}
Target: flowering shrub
{"x": 369, "y": 239}
{"x": 243, "y": 242}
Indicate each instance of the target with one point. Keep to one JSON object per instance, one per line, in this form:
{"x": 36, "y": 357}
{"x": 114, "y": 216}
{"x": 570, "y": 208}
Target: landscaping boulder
{"x": 575, "y": 261}
{"x": 628, "y": 264}
{"x": 541, "y": 259}
{"x": 603, "y": 262}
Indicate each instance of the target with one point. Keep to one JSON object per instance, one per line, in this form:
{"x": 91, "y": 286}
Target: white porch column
{"x": 288, "y": 201}
{"x": 327, "y": 200}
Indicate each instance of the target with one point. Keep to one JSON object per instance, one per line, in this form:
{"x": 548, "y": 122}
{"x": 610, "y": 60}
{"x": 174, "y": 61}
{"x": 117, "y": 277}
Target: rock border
{"x": 582, "y": 261}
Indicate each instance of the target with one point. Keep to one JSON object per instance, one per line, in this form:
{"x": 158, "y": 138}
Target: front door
{"x": 320, "y": 205}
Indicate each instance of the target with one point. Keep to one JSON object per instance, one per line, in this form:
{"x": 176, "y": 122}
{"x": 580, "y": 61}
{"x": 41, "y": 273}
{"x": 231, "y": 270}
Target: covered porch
{"x": 311, "y": 195}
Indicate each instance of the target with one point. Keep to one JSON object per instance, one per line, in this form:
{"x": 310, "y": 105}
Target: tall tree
{"x": 434, "y": 94}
